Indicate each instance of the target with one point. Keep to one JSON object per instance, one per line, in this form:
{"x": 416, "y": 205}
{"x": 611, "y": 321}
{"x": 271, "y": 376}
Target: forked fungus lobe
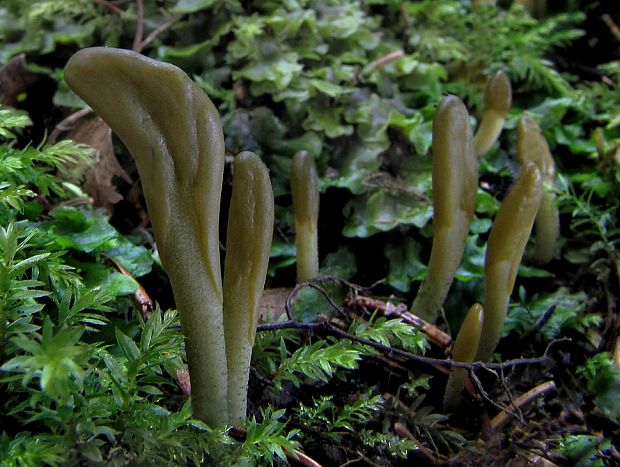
{"x": 173, "y": 132}
{"x": 532, "y": 147}
{"x": 305, "y": 193}
{"x": 455, "y": 184}
{"x": 497, "y": 102}
{"x": 248, "y": 244}
{"x": 507, "y": 240}
{"x": 464, "y": 350}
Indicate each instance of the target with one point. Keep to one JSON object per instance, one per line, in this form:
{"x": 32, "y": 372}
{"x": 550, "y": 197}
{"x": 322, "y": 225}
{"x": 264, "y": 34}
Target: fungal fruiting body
{"x": 305, "y": 193}
{"x": 173, "y": 132}
{"x": 497, "y": 102}
{"x": 248, "y": 244}
{"x": 507, "y": 240}
{"x": 532, "y": 147}
{"x": 464, "y": 350}
{"x": 455, "y": 184}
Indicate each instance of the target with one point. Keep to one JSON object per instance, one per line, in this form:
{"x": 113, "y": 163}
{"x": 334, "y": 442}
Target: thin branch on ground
{"x": 328, "y": 327}
{"x": 68, "y": 123}
{"x": 503, "y": 417}
{"x": 157, "y": 31}
{"x": 511, "y": 399}
{"x": 435, "y": 458}
{"x": 300, "y": 458}
{"x": 613, "y": 27}
{"x": 315, "y": 284}
{"x": 485, "y": 395}
{"x": 389, "y": 310}
{"x": 137, "y": 40}
{"x": 110, "y": 6}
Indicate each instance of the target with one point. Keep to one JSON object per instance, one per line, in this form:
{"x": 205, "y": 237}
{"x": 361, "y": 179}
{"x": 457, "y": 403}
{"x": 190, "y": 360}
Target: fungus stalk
{"x": 497, "y": 102}
{"x": 173, "y": 132}
{"x": 532, "y": 147}
{"x": 507, "y": 240}
{"x": 250, "y": 228}
{"x": 464, "y": 350}
{"x": 455, "y": 184}
{"x": 305, "y": 191}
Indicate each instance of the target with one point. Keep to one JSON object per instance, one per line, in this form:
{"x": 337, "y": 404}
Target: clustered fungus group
{"x": 173, "y": 132}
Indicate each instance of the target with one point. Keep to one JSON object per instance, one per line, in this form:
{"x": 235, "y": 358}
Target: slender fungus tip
{"x": 466, "y": 345}
{"x": 498, "y": 94}
{"x": 450, "y": 104}
{"x": 245, "y": 156}
{"x": 173, "y": 131}
{"x": 305, "y": 192}
{"x": 455, "y": 184}
{"x": 509, "y": 234}
{"x": 465, "y": 349}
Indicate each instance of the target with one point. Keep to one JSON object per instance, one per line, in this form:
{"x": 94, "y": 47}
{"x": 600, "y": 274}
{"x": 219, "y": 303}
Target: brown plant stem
{"x": 503, "y": 417}
{"x": 110, "y": 6}
{"x": 388, "y": 309}
{"x": 137, "y": 40}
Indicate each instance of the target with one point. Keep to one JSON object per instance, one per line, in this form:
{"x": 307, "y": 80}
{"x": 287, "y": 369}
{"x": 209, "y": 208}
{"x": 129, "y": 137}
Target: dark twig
{"x": 613, "y": 27}
{"x": 408, "y": 355}
{"x": 434, "y": 458}
{"x": 68, "y": 123}
{"x": 328, "y": 298}
{"x": 503, "y": 417}
{"x": 157, "y": 31}
{"x": 313, "y": 284}
{"x": 113, "y": 8}
{"x": 511, "y": 399}
{"x": 485, "y": 395}
{"x": 137, "y": 40}
{"x": 541, "y": 322}
{"x": 388, "y": 309}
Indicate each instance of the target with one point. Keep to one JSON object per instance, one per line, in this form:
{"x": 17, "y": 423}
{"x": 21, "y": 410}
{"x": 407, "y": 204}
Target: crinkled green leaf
{"x": 405, "y": 265}
{"x": 383, "y": 211}
{"x": 192, "y": 6}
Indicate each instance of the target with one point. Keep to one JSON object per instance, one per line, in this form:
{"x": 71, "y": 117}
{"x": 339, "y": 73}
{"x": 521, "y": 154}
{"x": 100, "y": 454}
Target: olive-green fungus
{"x": 464, "y": 350}
{"x": 497, "y": 102}
{"x": 507, "y": 240}
{"x": 173, "y": 131}
{"x": 482, "y": 3}
{"x": 455, "y": 184}
{"x": 248, "y": 244}
{"x": 305, "y": 192}
{"x": 536, "y": 8}
{"x": 532, "y": 147}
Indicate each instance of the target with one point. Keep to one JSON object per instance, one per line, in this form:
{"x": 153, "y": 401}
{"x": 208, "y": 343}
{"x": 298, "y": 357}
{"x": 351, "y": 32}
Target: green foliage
{"x": 355, "y": 83}
{"x": 594, "y": 223}
{"x": 391, "y": 332}
{"x": 584, "y": 450}
{"x": 268, "y": 440}
{"x": 58, "y": 361}
{"x": 317, "y": 361}
{"x": 31, "y": 450}
{"x": 42, "y": 26}
{"x": 329, "y": 418}
{"x": 566, "y": 311}
{"x": 23, "y": 169}
{"x": 87, "y": 380}
{"x": 444, "y": 31}
{"x": 12, "y": 120}
{"x": 392, "y": 443}
{"x": 603, "y": 381}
